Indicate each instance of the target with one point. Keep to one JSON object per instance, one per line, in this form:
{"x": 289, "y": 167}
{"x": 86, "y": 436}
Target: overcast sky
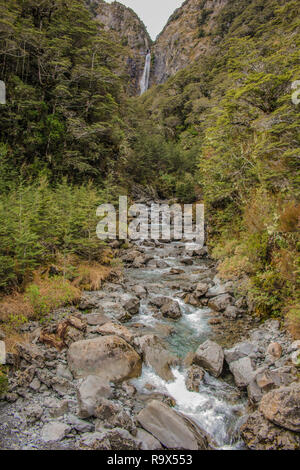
{"x": 154, "y": 13}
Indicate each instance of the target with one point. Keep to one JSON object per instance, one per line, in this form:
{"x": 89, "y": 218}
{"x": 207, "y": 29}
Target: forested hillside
{"x": 231, "y": 119}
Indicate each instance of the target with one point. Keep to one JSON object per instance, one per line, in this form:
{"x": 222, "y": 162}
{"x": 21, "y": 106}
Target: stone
{"x": 270, "y": 379}
{"x": 2, "y": 353}
{"x": 94, "y": 441}
{"x": 195, "y": 376}
{"x": 56, "y": 407}
{"x": 61, "y": 386}
{"x": 274, "y": 350}
{"x": 110, "y": 357}
{"x": 156, "y": 356}
{"x": 242, "y": 371}
{"x": 33, "y": 412}
{"x": 90, "y": 393}
{"x": 282, "y": 407}
{"x": 295, "y": 358}
{"x": 217, "y": 290}
{"x": 2, "y": 335}
{"x": 63, "y": 372}
{"x": 220, "y": 303}
{"x": 240, "y": 350}
{"x": 231, "y": 312}
{"x": 210, "y": 356}
{"x": 31, "y": 353}
{"x": 260, "y": 434}
{"x": 140, "y": 291}
{"x": 115, "y": 329}
{"x": 112, "y": 416}
{"x": 132, "y": 306}
{"x": 201, "y": 289}
{"x": 35, "y": 384}
{"x": 169, "y": 427}
{"x": 148, "y": 442}
{"x": 171, "y": 309}
{"x": 79, "y": 424}
{"x": 254, "y": 392}
{"x": 95, "y": 319}
{"x": 55, "y": 431}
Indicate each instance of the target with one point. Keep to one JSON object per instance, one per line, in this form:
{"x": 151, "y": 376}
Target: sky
{"x": 154, "y": 13}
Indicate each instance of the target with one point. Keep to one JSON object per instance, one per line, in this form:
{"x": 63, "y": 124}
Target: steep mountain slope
{"x": 189, "y": 34}
{"x": 130, "y": 33}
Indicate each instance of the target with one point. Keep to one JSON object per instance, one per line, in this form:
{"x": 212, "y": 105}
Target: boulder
{"x": 282, "y": 407}
{"x": 220, "y": 303}
{"x": 109, "y": 357}
{"x": 96, "y": 319}
{"x": 201, "y": 289}
{"x": 210, "y": 356}
{"x": 171, "y": 309}
{"x": 217, "y": 290}
{"x": 194, "y": 378}
{"x": 242, "y": 371}
{"x": 260, "y": 434}
{"x": 148, "y": 442}
{"x": 132, "y": 305}
{"x": 156, "y": 356}
{"x": 54, "y": 432}
{"x": 2, "y": 353}
{"x": 90, "y": 393}
{"x": 140, "y": 291}
{"x": 79, "y": 424}
{"x": 169, "y": 427}
{"x": 239, "y": 351}
{"x": 31, "y": 353}
{"x": 2, "y": 335}
{"x": 112, "y": 416}
{"x": 115, "y": 329}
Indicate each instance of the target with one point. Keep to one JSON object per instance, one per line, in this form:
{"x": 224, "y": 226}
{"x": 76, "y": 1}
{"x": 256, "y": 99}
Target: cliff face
{"x": 189, "y": 34}
{"x": 130, "y": 32}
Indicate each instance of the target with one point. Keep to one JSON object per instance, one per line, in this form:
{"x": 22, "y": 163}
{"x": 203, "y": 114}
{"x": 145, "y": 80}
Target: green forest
{"x": 223, "y": 131}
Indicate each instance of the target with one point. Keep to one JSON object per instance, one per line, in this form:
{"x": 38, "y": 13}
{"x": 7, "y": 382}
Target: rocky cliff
{"x": 190, "y": 33}
{"x": 130, "y": 32}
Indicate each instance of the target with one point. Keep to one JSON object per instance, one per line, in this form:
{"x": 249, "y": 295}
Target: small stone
{"x": 274, "y": 350}
{"x": 63, "y": 372}
{"x": 35, "y": 384}
{"x": 2, "y": 353}
{"x": 2, "y": 335}
{"x": 194, "y": 378}
{"x": 54, "y": 432}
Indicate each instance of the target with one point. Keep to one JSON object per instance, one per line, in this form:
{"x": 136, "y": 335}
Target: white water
{"x": 144, "y": 83}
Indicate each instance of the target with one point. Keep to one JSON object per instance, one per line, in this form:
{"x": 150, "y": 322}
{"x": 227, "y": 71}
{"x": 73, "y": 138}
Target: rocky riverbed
{"x": 163, "y": 357}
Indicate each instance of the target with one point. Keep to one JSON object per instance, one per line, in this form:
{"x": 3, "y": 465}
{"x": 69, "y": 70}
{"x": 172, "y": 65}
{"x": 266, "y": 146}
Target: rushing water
{"x": 218, "y": 407}
{"x": 144, "y": 83}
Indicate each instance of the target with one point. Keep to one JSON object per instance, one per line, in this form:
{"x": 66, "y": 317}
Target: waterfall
{"x": 144, "y": 83}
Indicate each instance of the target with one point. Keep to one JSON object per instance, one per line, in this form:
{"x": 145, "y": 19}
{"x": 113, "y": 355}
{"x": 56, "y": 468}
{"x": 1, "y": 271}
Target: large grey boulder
{"x": 240, "y": 350}
{"x": 282, "y": 407}
{"x": 170, "y": 428}
{"x": 156, "y": 356}
{"x": 90, "y": 394}
{"x": 54, "y": 432}
{"x": 242, "y": 371}
{"x": 109, "y": 357}
{"x": 210, "y": 356}
{"x": 260, "y": 434}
